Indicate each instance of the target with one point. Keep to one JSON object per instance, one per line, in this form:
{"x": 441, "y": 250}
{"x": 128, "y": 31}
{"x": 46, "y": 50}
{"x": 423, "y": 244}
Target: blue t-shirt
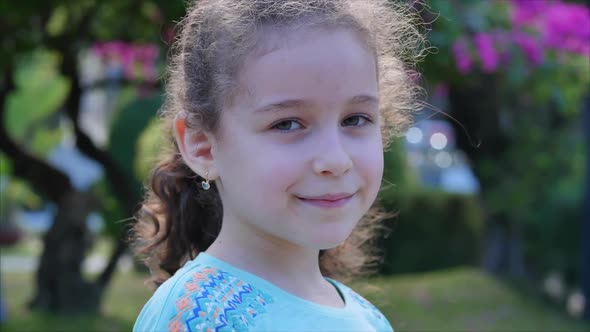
{"x": 207, "y": 294}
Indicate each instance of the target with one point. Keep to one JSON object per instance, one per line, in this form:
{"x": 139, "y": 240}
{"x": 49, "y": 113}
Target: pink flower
{"x": 528, "y": 12}
{"x": 461, "y": 55}
{"x": 530, "y": 46}
{"x": 487, "y": 54}
{"x": 567, "y": 27}
{"x": 564, "y": 27}
{"x": 137, "y": 61}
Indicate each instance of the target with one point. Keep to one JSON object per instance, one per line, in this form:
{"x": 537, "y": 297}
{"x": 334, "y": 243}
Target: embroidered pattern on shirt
{"x": 214, "y": 300}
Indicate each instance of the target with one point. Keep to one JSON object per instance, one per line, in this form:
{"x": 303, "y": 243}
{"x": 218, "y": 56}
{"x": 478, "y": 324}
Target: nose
{"x": 331, "y": 157}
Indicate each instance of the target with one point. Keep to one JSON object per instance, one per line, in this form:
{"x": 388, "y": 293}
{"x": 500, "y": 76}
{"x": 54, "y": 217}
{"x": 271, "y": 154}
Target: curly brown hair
{"x": 177, "y": 221}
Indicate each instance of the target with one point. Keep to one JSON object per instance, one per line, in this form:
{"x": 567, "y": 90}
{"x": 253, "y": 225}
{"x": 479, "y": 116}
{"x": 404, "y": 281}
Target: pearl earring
{"x": 205, "y": 184}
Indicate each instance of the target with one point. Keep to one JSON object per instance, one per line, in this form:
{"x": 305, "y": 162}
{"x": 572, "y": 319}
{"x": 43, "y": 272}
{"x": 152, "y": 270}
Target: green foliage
{"x": 149, "y": 147}
{"x": 45, "y": 139}
{"x": 539, "y": 188}
{"x": 129, "y": 123}
{"x": 39, "y": 35}
{"x": 559, "y": 82}
{"x": 433, "y": 230}
{"x": 144, "y": 22}
{"x": 127, "y": 127}
{"x": 31, "y": 120}
{"x": 41, "y": 29}
{"x": 532, "y": 178}
{"x": 111, "y": 210}
{"x": 56, "y": 24}
{"x": 397, "y": 174}
{"x": 561, "y": 77}
{"x": 40, "y": 92}
{"x": 5, "y": 165}
{"x": 19, "y": 191}
{"x": 549, "y": 165}
{"x": 14, "y": 191}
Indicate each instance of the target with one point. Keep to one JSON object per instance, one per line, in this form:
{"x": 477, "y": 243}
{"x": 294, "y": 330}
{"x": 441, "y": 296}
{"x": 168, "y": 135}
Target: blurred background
{"x": 491, "y": 184}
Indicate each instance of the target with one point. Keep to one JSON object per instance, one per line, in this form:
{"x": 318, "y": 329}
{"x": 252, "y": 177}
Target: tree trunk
{"x": 60, "y": 285}
{"x": 516, "y": 264}
{"x": 122, "y": 187}
{"x": 586, "y": 214}
{"x": 59, "y": 278}
{"x": 495, "y": 249}
{"x": 479, "y": 129}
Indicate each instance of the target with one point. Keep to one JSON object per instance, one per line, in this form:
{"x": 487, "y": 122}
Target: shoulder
{"x": 162, "y": 303}
{"x": 366, "y": 308}
{"x": 202, "y": 297}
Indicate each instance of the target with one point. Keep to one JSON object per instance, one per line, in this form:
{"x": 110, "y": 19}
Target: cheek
{"x": 278, "y": 168}
{"x": 260, "y": 169}
{"x": 369, "y": 161}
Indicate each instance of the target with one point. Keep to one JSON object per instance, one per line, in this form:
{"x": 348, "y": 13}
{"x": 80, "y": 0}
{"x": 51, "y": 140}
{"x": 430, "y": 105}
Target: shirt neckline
{"x": 205, "y": 258}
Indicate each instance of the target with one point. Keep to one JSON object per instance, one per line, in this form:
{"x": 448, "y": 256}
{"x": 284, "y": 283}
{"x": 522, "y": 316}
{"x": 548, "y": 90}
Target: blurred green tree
{"x": 31, "y": 97}
{"x": 516, "y": 72}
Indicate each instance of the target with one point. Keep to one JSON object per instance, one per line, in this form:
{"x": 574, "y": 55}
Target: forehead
{"x": 324, "y": 66}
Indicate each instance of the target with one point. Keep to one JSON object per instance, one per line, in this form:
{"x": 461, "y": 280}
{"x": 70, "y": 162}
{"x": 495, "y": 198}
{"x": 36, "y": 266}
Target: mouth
{"x": 328, "y": 201}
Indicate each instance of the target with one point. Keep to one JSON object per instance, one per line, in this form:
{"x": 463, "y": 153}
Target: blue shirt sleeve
{"x": 166, "y": 304}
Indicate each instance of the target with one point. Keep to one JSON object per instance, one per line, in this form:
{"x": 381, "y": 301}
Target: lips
{"x": 328, "y": 201}
{"x": 328, "y": 197}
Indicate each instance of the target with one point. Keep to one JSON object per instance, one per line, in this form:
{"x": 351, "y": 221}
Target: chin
{"x": 331, "y": 238}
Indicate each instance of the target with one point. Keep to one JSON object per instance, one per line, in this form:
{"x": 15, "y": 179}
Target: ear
{"x": 195, "y": 147}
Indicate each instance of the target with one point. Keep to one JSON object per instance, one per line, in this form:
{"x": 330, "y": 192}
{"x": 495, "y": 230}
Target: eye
{"x": 287, "y": 125}
{"x": 356, "y": 121}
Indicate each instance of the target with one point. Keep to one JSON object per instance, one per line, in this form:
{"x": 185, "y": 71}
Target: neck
{"x": 287, "y": 265}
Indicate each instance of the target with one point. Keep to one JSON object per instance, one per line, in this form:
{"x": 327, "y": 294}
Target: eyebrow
{"x": 282, "y": 105}
{"x": 299, "y": 103}
{"x": 363, "y": 99}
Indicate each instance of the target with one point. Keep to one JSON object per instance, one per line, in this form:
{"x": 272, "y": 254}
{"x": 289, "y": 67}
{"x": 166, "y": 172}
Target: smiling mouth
{"x": 327, "y": 203}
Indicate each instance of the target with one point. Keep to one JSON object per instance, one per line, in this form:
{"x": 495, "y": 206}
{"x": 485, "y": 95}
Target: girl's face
{"x": 299, "y": 155}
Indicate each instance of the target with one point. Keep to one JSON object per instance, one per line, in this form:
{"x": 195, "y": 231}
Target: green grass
{"x": 27, "y": 246}
{"x": 120, "y": 307}
{"x": 452, "y": 300}
{"x": 462, "y": 299}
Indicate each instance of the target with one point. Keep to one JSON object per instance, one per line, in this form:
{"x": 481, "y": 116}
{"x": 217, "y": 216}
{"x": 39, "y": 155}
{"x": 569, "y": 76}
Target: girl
{"x": 278, "y": 112}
